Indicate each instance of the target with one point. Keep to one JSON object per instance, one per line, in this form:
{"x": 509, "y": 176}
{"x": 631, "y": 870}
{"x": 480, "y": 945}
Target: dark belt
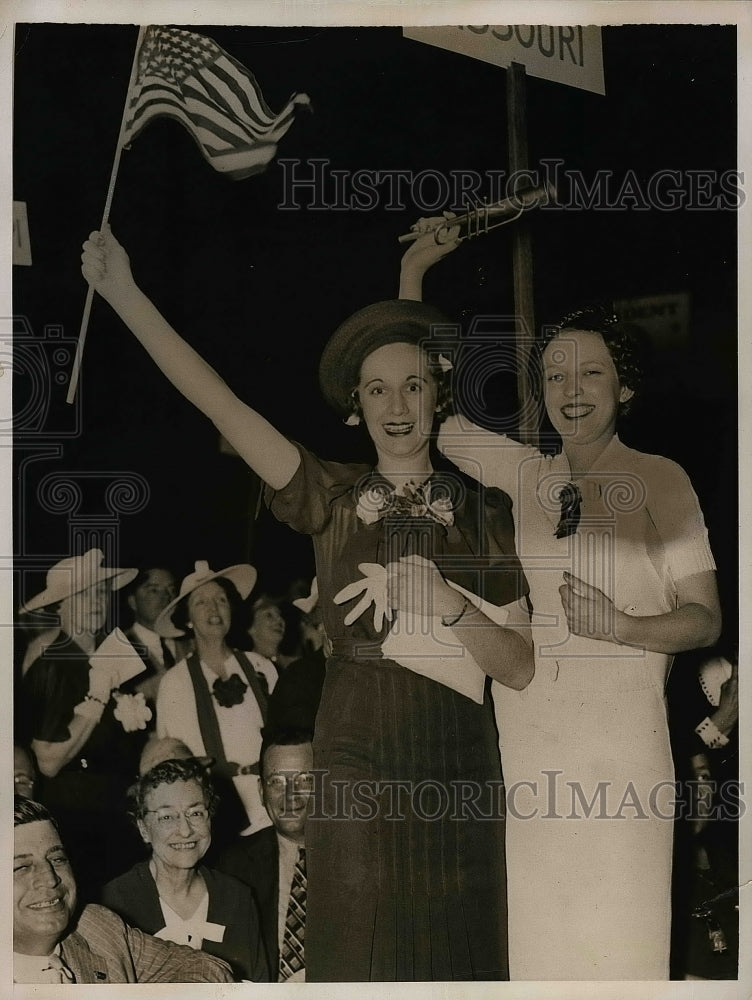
{"x": 356, "y": 649}
{"x": 230, "y": 769}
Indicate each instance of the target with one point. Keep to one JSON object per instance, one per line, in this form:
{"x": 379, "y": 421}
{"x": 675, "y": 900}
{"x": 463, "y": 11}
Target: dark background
{"x": 258, "y": 291}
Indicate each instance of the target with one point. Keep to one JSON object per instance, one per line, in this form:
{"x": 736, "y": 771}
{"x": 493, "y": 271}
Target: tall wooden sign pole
{"x": 522, "y": 257}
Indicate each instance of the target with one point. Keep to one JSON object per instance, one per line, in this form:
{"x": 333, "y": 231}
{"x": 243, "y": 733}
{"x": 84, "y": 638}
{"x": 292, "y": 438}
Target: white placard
{"x": 570, "y": 54}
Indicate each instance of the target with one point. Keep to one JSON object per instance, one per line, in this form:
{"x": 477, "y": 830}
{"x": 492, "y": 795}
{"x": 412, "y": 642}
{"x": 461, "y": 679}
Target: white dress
{"x": 239, "y": 725}
{"x": 585, "y": 748}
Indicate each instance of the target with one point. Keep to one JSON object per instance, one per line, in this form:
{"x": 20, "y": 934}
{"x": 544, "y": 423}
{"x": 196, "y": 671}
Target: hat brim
{"x": 52, "y": 595}
{"x": 394, "y": 321}
{"x": 243, "y": 576}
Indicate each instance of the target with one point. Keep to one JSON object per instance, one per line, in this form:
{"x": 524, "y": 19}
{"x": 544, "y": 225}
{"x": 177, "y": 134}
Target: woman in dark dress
{"x": 172, "y": 894}
{"x": 86, "y": 753}
{"x": 405, "y": 845}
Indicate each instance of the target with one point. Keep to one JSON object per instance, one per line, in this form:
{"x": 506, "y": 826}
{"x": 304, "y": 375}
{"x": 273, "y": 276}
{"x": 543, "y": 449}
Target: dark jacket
{"x": 135, "y": 898}
{"x": 255, "y": 861}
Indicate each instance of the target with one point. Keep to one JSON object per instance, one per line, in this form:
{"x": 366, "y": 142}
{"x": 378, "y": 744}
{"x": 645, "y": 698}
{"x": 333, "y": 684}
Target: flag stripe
{"x": 191, "y": 79}
{"x": 247, "y": 91}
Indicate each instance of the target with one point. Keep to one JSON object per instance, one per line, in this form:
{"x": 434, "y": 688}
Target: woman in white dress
{"x": 621, "y": 577}
{"x": 215, "y": 700}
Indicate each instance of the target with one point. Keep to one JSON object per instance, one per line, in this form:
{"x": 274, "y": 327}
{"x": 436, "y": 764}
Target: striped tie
{"x": 292, "y": 953}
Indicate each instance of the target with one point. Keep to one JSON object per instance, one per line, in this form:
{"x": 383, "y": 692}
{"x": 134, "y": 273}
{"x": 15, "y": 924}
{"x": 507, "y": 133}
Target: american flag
{"x": 190, "y": 78}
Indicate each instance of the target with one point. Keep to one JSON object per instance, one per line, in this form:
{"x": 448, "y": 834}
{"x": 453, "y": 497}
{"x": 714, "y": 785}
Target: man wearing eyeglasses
{"x": 272, "y": 861}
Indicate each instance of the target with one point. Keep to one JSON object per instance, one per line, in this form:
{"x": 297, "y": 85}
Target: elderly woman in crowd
{"x": 86, "y": 750}
{"x": 172, "y": 895}
{"x": 215, "y": 700}
{"x": 414, "y": 891}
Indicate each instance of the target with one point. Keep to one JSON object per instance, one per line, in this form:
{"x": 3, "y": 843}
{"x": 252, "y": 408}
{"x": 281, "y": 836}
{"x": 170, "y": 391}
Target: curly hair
{"x": 167, "y": 773}
{"x": 625, "y": 343}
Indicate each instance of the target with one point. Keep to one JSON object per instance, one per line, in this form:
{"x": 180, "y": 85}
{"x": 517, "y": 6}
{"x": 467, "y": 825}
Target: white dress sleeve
{"x": 675, "y": 512}
{"x": 492, "y": 459}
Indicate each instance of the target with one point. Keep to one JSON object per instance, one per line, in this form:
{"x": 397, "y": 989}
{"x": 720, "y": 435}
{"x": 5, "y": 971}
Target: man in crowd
{"x": 272, "y": 861}
{"x": 147, "y": 597}
{"x": 54, "y": 943}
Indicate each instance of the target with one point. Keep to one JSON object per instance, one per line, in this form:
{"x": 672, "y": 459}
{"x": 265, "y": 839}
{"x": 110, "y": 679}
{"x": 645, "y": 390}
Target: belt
{"x": 231, "y": 769}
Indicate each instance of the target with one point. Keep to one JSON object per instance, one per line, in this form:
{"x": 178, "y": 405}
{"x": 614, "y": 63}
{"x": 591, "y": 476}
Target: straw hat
{"x": 395, "y": 321}
{"x": 158, "y": 751}
{"x": 76, "y": 573}
{"x": 242, "y": 575}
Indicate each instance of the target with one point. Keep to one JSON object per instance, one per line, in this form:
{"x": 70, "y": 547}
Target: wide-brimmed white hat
{"x": 76, "y": 573}
{"x": 242, "y": 575}
{"x": 307, "y": 604}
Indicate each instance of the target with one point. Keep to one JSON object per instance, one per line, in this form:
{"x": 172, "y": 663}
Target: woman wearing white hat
{"x": 215, "y": 700}
{"x": 86, "y": 758}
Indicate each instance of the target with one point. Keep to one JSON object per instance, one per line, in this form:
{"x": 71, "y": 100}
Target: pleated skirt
{"x": 405, "y": 845}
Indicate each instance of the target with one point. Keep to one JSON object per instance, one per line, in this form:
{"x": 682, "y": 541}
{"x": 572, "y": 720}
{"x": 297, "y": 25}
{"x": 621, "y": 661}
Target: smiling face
{"x": 176, "y": 823}
{"x": 398, "y": 396}
{"x": 44, "y": 890}
{"x": 152, "y": 596}
{"x": 286, "y": 788}
{"x": 582, "y": 389}
{"x": 24, "y": 772}
{"x": 267, "y": 629}
{"x": 209, "y": 611}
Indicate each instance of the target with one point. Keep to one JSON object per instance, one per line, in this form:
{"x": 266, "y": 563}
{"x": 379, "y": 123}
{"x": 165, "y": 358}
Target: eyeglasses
{"x": 301, "y": 782}
{"x": 196, "y": 816}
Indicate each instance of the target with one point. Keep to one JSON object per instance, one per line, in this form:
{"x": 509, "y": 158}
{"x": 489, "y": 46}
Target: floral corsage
{"x": 131, "y": 711}
{"x": 426, "y": 500}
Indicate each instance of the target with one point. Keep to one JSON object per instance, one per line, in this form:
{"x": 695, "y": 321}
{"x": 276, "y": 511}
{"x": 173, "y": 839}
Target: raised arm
{"x": 105, "y": 265}
{"x": 435, "y": 240}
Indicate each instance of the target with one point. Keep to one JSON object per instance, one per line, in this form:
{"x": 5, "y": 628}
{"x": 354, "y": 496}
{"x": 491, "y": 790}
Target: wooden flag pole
{"x": 105, "y": 216}
{"x": 522, "y": 256}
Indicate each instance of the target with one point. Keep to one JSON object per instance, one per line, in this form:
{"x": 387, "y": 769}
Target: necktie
{"x": 167, "y": 658}
{"x": 292, "y": 953}
{"x": 570, "y": 498}
{"x": 56, "y": 971}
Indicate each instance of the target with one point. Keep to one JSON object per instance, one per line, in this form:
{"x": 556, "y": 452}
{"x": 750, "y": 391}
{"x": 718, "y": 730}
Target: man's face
{"x": 152, "y": 596}
{"x": 286, "y": 788}
{"x": 44, "y": 890}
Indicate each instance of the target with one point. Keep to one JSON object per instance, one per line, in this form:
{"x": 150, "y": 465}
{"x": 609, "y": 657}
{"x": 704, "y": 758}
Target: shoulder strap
{"x": 207, "y": 717}
{"x": 253, "y": 681}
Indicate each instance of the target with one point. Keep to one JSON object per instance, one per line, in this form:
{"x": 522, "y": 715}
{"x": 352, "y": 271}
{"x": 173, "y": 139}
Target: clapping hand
{"x": 373, "y": 589}
{"x": 589, "y": 612}
{"x": 411, "y": 584}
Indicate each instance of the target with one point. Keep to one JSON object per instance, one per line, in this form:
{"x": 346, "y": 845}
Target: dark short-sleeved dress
{"x": 405, "y": 847}
{"x": 87, "y": 796}
{"x": 134, "y": 896}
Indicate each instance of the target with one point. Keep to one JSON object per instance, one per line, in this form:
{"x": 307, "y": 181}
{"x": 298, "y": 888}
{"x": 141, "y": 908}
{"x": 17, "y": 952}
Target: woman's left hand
{"x": 415, "y": 584}
{"x": 589, "y": 612}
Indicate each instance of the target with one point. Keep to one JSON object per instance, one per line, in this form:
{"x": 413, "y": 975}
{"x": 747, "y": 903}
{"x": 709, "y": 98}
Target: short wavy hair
{"x": 28, "y": 811}
{"x": 238, "y": 612}
{"x": 625, "y": 343}
{"x": 444, "y": 396}
{"x": 167, "y": 773}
